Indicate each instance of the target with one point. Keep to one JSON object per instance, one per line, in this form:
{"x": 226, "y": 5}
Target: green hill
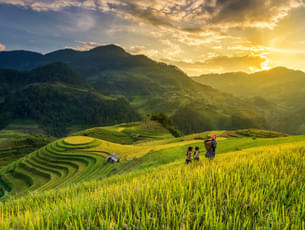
{"x": 128, "y": 133}
{"x": 280, "y": 89}
{"x": 81, "y": 158}
{"x": 251, "y": 187}
{"x": 279, "y": 85}
{"x": 58, "y": 99}
{"x": 263, "y": 100}
{"x": 15, "y": 144}
{"x": 149, "y": 86}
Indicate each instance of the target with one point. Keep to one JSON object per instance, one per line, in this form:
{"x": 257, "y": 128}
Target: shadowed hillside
{"x": 281, "y": 85}
{"x": 150, "y": 87}
{"x": 58, "y": 98}
{"x": 279, "y": 88}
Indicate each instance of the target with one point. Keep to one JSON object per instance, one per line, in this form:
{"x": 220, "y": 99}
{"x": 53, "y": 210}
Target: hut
{"x": 112, "y": 159}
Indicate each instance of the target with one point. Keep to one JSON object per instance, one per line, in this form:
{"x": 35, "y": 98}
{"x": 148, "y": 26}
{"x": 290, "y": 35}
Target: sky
{"x": 199, "y": 36}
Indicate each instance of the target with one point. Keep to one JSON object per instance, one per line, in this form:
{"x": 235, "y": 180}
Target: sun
{"x": 266, "y": 64}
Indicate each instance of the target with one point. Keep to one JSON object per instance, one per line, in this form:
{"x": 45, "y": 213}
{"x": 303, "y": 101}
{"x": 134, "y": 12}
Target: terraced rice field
{"x": 78, "y": 140}
{"x": 62, "y": 162}
{"x": 257, "y": 188}
{"x": 70, "y": 160}
{"x": 81, "y": 158}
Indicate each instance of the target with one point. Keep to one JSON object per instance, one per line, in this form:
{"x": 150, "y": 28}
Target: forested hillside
{"x": 58, "y": 99}
{"x": 280, "y": 86}
{"x": 66, "y": 77}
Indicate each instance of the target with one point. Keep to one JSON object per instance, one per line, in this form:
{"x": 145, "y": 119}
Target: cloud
{"x": 252, "y": 13}
{"x": 248, "y": 63}
{"x": 198, "y": 15}
{"x": 55, "y": 5}
{"x": 190, "y": 22}
{"x": 185, "y": 15}
{"x": 2, "y": 47}
{"x": 185, "y": 32}
{"x": 78, "y": 22}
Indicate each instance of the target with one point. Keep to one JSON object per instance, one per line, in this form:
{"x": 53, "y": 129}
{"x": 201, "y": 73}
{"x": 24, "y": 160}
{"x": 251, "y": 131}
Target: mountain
{"x": 279, "y": 86}
{"x": 20, "y": 60}
{"x": 109, "y": 57}
{"x": 149, "y": 86}
{"x": 58, "y": 98}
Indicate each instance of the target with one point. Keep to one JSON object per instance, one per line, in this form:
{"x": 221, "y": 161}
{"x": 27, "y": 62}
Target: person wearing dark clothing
{"x": 214, "y": 145}
{"x": 210, "y": 146}
{"x": 189, "y": 155}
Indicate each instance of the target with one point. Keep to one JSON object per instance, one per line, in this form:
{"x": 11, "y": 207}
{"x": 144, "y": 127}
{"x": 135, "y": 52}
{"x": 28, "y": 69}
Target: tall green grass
{"x": 260, "y": 188}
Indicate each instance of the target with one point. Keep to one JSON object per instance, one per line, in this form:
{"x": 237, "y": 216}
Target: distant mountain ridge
{"x": 148, "y": 86}
{"x": 100, "y": 58}
{"x": 57, "y": 97}
{"x": 280, "y": 86}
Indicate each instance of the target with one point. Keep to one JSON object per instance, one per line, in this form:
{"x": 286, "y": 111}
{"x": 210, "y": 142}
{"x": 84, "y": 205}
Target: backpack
{"x": 208, "y": 145}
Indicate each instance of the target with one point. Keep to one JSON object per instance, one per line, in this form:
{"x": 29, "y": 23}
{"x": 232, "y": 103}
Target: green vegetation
{"x": 167, "y": 123}
{"x": 61, "y": 162}
{"x": 258, "y": 188}
{"x": 106, "y": 86}
{"x": 81, "y": 158}
{"x": 259, "y": 133}
{"x": 178, "y": 147}
{"x": 16, "y": 144}
{"x": 255, "y": 182}
{"x": 128, "y": 133}
{"x": 56, "y": 97}
{"x": 279, "y": 90}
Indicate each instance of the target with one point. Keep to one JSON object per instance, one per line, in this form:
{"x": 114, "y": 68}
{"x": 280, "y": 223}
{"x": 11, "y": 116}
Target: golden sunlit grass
{"x": 259, "y": 188}
{"x": 128, "y": 152}
{"x": 70, "y": 160}
{"x": 78, "y": 140}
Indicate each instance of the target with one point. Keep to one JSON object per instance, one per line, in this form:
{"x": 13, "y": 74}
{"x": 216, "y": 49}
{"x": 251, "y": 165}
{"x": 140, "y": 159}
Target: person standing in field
{"x": 189, "y": 155}
{"x": 196, "y": 154}
{"x": 214, "y": 145}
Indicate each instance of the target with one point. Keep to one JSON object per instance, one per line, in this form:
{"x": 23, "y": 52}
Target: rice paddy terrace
{"x": 61, "y": 162}
{"x": 82, "y": 158}
{"x": 258, "y": 188}
{"x": 70, "y": 160}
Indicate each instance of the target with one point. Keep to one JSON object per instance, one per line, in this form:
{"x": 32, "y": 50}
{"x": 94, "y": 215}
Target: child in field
{"x": 189, "y": 155}
{"x": 196, "y": 154}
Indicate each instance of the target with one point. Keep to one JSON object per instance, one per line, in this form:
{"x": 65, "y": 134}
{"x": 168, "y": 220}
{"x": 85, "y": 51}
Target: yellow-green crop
{"x": 259, "y": 188}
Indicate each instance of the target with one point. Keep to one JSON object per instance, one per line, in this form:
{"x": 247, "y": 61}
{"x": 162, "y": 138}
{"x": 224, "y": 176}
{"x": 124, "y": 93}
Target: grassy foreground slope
{"x": 257, "y": 188}
{"x": 81, "y": 158}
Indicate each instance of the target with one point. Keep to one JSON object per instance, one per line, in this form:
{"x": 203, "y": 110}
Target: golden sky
{"x": 199, "y": 36}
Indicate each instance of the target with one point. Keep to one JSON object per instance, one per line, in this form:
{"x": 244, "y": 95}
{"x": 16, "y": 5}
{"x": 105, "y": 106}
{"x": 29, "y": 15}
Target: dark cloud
{"x": 190, "y": 16}
{"x": 147, "y": 14}
{"x": 252, "y": 12}
{"x": 194, "y": 16}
